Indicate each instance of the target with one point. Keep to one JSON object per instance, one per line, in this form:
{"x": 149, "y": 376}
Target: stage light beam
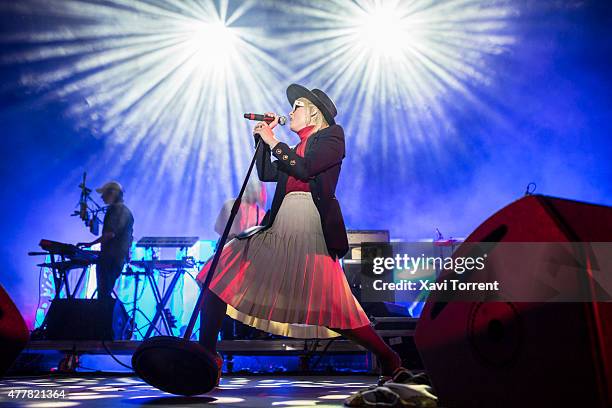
{"x": 404, "y": 66}
{"x": 381, "y": 31}
{"x": 213, "y": 43}
{"x": 164, "y": 84}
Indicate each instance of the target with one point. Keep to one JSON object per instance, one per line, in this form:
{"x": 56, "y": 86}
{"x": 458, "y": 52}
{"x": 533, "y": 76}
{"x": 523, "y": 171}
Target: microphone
{"x": 268, "y": 119}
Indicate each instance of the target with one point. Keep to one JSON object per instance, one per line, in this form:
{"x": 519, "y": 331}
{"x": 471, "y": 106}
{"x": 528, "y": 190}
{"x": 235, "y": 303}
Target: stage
{"x": 102, "y": 390}
{"x": 267, "y": 356}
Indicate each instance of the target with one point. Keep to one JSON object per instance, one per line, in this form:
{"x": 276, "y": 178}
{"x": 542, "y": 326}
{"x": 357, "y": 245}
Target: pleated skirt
{"x": 283, "y": 281}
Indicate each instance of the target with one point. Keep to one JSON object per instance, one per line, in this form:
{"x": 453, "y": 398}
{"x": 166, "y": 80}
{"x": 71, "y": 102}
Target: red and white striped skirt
{"x": 283, "y": 281}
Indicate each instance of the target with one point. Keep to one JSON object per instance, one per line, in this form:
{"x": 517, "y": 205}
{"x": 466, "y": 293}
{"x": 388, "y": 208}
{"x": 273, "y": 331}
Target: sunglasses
{"x": 297, "y": 104}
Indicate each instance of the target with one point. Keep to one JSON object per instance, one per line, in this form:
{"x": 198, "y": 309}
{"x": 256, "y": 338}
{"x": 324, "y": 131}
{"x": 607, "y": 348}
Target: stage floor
{"x": 128, "y": 391}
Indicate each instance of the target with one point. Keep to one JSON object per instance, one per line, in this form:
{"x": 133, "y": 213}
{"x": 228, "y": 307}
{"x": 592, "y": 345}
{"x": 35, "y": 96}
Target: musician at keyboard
{"x": 116, "y": 238}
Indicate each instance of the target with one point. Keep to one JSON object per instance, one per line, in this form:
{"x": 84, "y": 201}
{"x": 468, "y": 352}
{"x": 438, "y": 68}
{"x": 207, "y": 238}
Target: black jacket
{"x": 320, "y": 166}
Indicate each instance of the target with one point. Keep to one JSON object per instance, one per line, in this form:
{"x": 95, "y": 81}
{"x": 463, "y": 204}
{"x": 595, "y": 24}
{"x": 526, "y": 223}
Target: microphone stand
{"x": 175, "y": 364}
{"x": 220, "y": 245}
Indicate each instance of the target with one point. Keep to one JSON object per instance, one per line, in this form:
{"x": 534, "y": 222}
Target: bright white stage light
{"x": 212, "y": 44}
{"x": 395, "y": 67}
{"x": 381, "y": 31}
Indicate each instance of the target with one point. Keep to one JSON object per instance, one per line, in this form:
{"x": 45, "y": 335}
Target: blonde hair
{"x": 314, "y": 115}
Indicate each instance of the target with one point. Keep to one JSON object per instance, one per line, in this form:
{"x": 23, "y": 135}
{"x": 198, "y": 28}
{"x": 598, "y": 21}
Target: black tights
{"x": 211, "y": 317}
{"x": 214, "y": 309}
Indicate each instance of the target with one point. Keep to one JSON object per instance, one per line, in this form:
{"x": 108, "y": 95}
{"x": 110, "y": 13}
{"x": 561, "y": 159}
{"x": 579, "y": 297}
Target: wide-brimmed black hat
{"x": 317, "y": 97}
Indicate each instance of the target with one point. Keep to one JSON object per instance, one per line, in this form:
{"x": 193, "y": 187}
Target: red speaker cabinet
{"x": 523, "y": 354}
{"x": 14, "y": 333}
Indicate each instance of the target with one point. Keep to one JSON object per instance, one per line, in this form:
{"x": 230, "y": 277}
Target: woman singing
{"x": 286, "y": 279}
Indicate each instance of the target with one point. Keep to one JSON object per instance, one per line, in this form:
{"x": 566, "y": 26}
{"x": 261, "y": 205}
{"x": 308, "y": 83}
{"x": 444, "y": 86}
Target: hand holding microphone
{"x": 264, "y": 128}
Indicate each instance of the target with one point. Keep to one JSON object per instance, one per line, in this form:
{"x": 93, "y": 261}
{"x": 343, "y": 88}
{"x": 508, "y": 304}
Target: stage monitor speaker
{"x": 87, "y": 319}
{"x": 519, "y": 354}
{"x": 14, "y": 333}
{"x": 352, "y": 268}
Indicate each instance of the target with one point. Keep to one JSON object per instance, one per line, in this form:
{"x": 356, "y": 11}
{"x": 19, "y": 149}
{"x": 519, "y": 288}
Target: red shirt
{"x": 294, "y": 184}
